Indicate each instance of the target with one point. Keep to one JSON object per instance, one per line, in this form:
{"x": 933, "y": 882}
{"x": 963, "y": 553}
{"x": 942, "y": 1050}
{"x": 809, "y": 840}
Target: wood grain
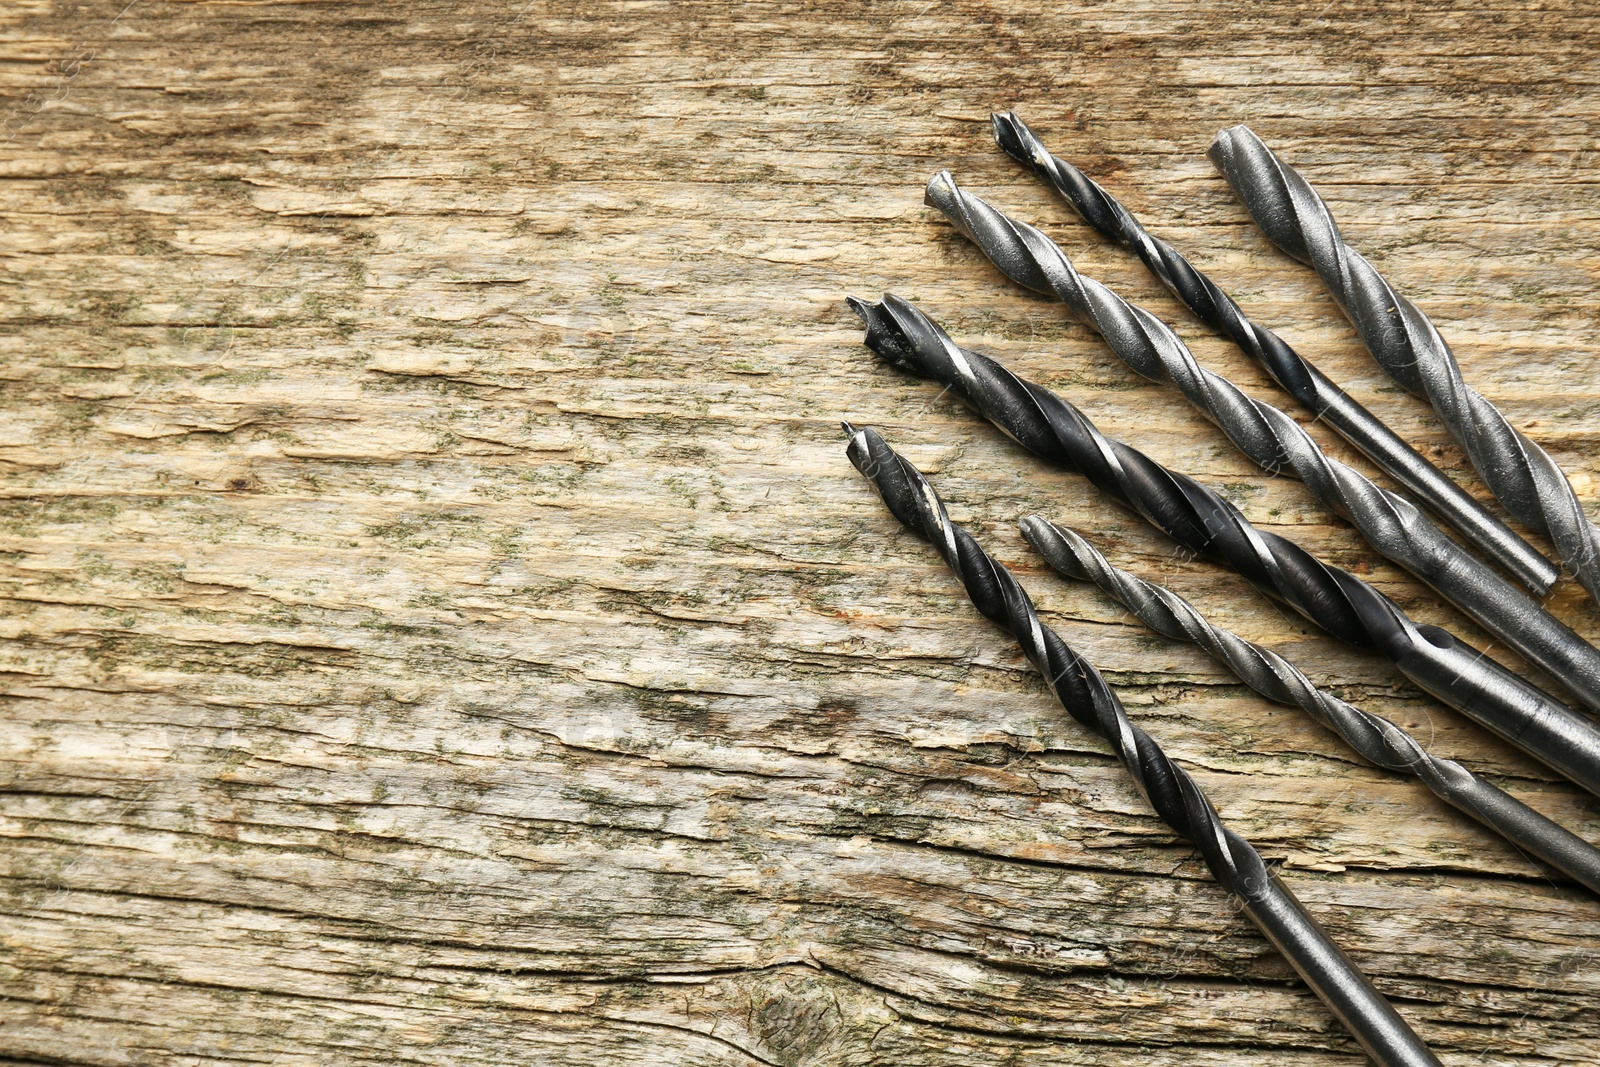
{"x": 440, "y": 625}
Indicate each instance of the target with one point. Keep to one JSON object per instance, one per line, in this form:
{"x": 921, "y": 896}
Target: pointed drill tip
{"x": 1008, "y": 131}
{"x": 1062, "y": 548}
{"x": 858, "y": 449}
{"x": 1229, "y": 138}
{"x": 1221, "y": 148}
{"x": 871, "y": 313}
{"x": 940, "y": 186}
{"x": 1034, "y": 528}
{"x": 890, "y": 325}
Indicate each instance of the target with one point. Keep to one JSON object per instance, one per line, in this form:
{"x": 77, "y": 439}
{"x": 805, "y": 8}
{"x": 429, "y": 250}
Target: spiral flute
{"x": 1275, "y": 678}
{"x": 1408, "y": 347}
{"x": 1330, "y": 404}
{"x": 1176, "y": 797}
{"x": 1273, "y": 440}
{"x": 1200, "y": 520}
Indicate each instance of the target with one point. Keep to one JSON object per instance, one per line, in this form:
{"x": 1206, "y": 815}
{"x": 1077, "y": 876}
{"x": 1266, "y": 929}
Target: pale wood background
{"x": 441, "y": 626}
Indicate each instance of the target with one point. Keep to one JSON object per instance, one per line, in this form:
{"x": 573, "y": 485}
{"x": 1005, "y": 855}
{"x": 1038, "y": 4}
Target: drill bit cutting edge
{"x": 1179, "y": 801}
{"x": 1410, "y": 350}
{"x": 1274, "y": 441}
{"x": 1301, "y": 379}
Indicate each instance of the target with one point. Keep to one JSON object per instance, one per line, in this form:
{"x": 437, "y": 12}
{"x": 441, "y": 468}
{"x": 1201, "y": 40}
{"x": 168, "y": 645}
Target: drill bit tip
{"x": 1071, "y": 554}
{"x": 1016, "y": 140}
{"x": 939, "y": 183}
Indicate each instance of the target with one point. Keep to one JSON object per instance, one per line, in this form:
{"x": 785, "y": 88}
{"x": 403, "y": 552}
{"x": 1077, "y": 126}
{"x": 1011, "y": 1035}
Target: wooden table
{"x": 441, "y": 626}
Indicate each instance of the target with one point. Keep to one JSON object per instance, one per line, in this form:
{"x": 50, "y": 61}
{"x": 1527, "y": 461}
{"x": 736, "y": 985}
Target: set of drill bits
{"x": 1519, "y": 474}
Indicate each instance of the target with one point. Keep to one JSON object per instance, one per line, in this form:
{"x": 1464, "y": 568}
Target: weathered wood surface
{"x": 441, "y": 626}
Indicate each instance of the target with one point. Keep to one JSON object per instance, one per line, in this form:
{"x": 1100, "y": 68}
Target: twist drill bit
{"x": 1408, "y": 347}
{"x": 1176, "y": 797}
{"x": 1273, "y": 440}
{"x": 1275, "y": 678}
{"x": 1320, "y": 395}
{"x": 1203, "y": 522}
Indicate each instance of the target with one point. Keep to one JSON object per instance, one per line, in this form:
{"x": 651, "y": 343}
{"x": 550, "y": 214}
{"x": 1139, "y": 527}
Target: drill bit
{"x": 1320, "y": 395}
{"x": 1203, "y": 522}
{"x": 1405, "y": 343}
{"x": 1390, "y": 523}
{"x": 1275, "y": 678}
{"x": 1176, "y": 797}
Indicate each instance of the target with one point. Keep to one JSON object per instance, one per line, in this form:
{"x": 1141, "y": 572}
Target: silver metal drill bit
{"x": 1273, "y": 440}
{"x": 1408, "y": 347}
{"x": 1275, "y": 678}
{"x": 1319, "y": 394}
{"x": 1205, "y": 523}
{"x": 1233, "y": 861}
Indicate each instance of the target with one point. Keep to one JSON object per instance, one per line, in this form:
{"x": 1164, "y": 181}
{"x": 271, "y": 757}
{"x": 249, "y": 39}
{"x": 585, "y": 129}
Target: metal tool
{"x": 1408, "y": 347}
{"x": 1176, "y": 797}
{"x": 1274, "y": 677}
{"x": 1331, "y": 405}
{"x": 1200, "y": 520}
{"x": 1390, "y": 523}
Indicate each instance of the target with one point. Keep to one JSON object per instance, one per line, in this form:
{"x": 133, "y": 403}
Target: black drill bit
{"x": 1274, "y": 677}
{"x": 1408, "y": 347}
{"x": 1203, "y": 522}
{"x": 1318, "y": 393}
{"x": 1273, "y": 440}
{"x": 1233, "y": 861}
